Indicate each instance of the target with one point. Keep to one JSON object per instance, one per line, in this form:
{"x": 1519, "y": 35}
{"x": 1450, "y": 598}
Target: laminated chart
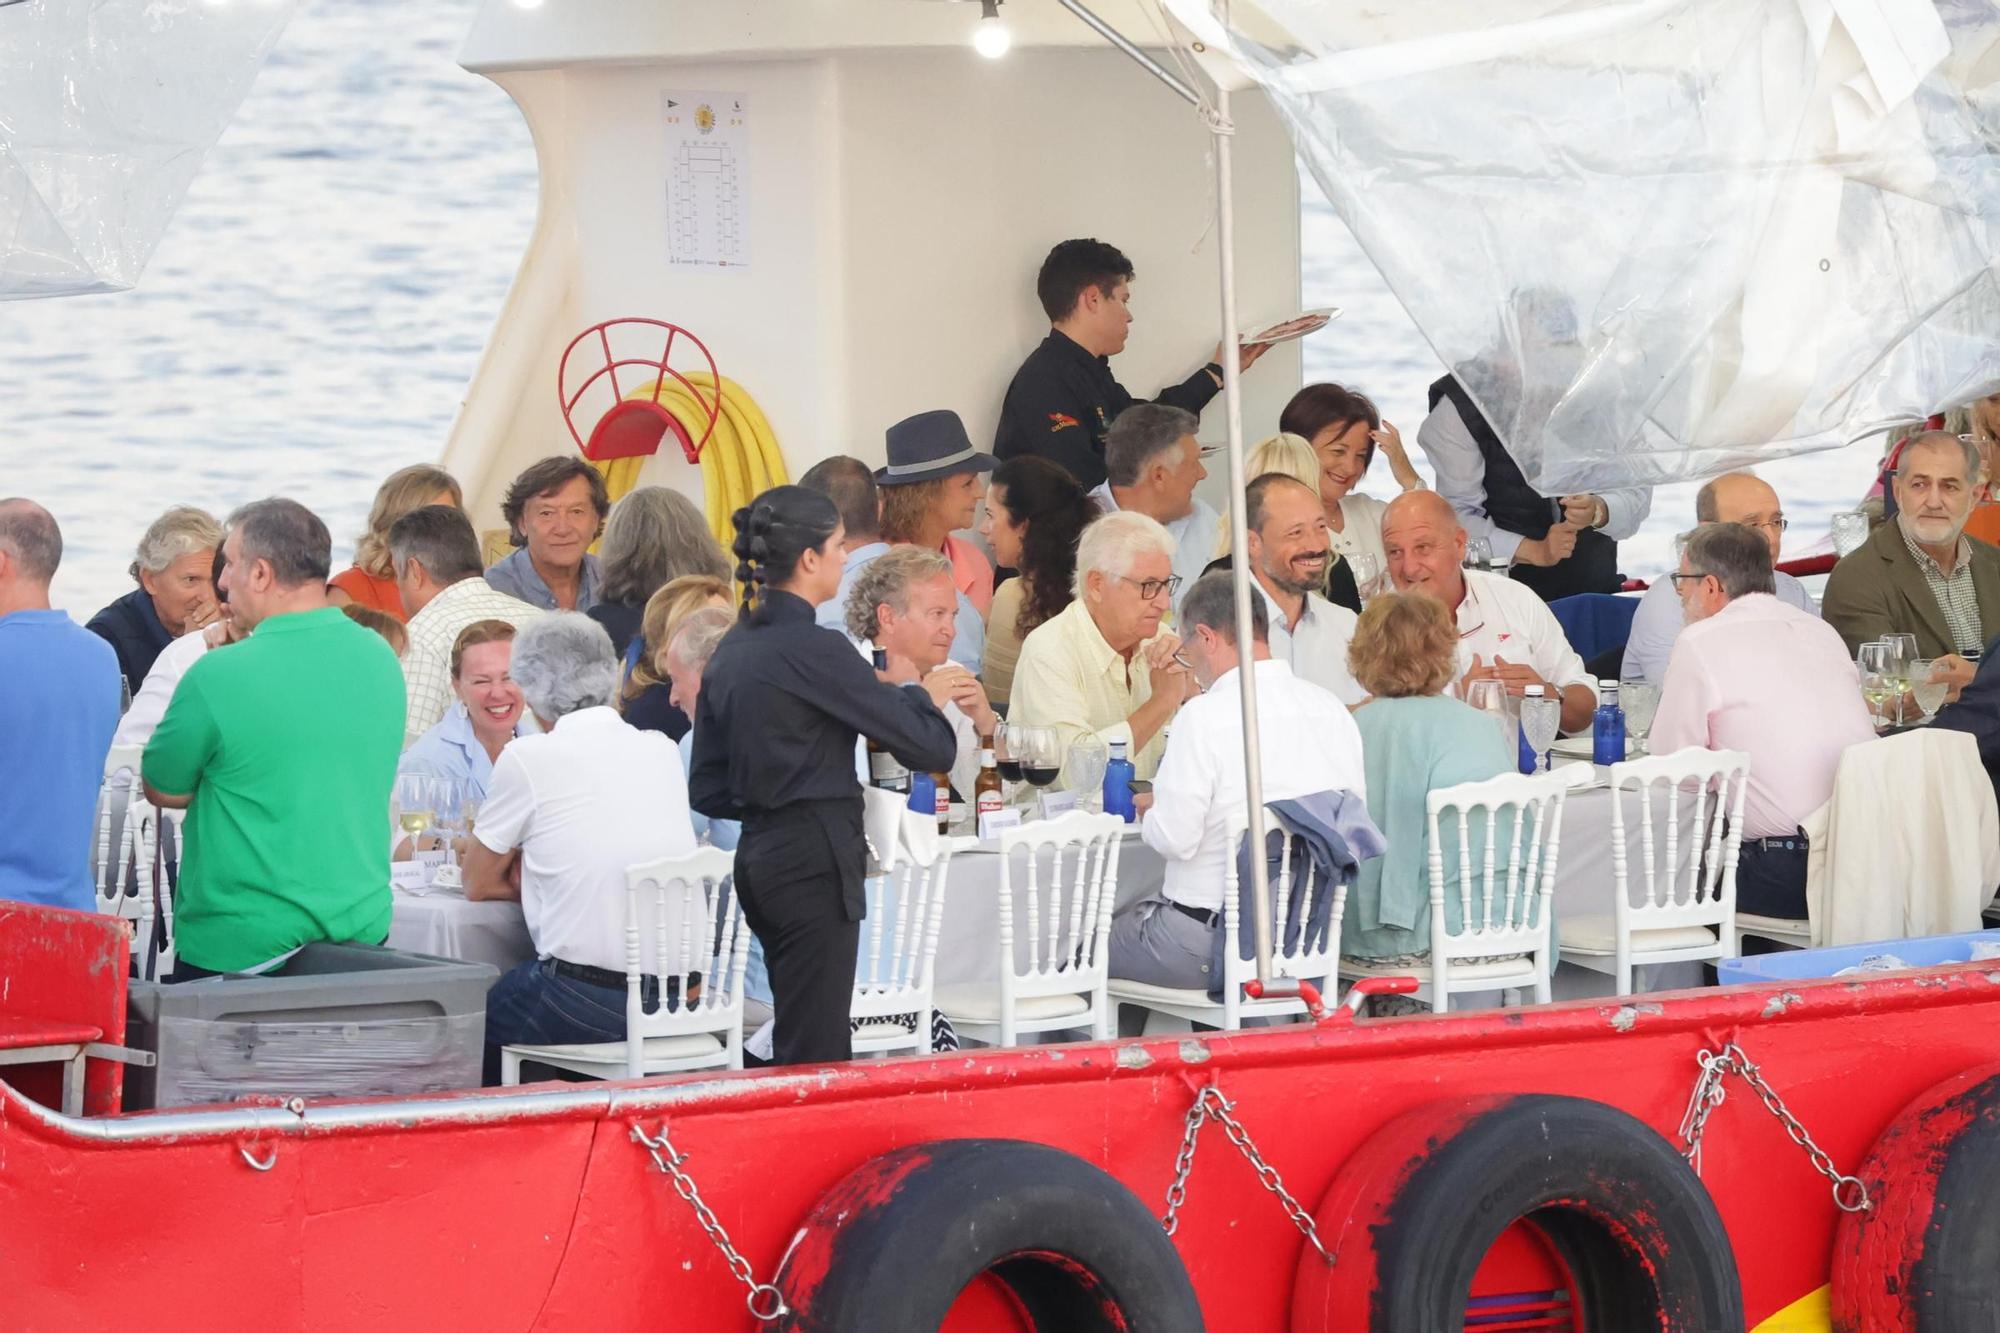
{"x": 708, "y": 180}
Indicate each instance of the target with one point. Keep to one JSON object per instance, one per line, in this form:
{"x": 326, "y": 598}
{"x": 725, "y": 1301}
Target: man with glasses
{"x": 1103, "y": 666}
{"x": 1153, "y": 464}
{"x": 1734, "y": 497}
{"x": 1920, "y": 574}
{"x": 1505, "y": 632}
{"x": 1290, "y": 545}
{"x": 1754, "y": 674}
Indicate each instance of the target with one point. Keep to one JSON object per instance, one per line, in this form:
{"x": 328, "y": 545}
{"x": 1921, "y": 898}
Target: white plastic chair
{"x": 688, "y": 926}
{"x": 1504, "y": 911}
{"x": 1685, "y": 909}
{"x": 1295, "y": 881}
{"x": 895, "y": 974}
{"x": 116, "y": 850}
{"x": 1052, "y": 974}
{"x": 148, "y": 824}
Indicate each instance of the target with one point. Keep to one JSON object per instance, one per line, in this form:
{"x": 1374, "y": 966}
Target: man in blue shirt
{"x": 58, "y": 708}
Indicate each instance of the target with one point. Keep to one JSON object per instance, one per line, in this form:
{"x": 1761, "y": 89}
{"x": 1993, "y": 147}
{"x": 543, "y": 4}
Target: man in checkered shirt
{"x": 436, "y": 557}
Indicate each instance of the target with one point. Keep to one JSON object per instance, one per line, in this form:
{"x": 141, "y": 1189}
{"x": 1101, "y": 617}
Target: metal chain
{"x": 1850, "y": 1195}
{"x": 1210, "y": 1104}
{"x": 670, "y": 1161}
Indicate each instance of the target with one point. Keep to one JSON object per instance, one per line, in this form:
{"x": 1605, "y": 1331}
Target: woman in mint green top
{"x": 1414, "y": 740}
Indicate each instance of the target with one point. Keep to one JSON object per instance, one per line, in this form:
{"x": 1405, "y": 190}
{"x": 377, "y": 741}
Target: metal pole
{"x": 1119, "y": 40}
{"x": 1239, "y": 537}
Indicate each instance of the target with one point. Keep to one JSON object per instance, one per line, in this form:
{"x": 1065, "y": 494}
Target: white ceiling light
{"x": 990, "y": 36}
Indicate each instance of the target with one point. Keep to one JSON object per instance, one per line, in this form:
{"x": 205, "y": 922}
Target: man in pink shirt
{"x": 1751, "y": 673}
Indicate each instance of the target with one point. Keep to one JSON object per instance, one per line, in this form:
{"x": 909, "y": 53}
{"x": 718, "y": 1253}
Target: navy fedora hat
{"x": 930, "y": 446}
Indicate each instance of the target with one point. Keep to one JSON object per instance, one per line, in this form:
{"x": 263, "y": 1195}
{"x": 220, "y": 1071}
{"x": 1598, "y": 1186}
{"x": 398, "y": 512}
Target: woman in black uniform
{"x": 781, "y": 704}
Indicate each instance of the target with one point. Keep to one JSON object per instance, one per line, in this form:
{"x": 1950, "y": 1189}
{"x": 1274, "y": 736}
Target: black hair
{"x": 851, "y": 486}
{"x": 440, "y": 537}
{"x": 1074, "y": 265}
{"x": 1044, "y": 497}
{"x": 215, "y": 569}
{"x": 773, "y": 531}
{"x": 1259, "y": 487}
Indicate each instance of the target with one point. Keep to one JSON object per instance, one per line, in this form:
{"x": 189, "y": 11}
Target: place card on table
{"x": 408, "y": 876}
{"x": 1055, "y": 803}
{"x": 993, "y": 821}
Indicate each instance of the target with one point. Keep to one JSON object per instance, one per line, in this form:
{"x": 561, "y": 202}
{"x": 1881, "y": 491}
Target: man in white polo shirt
{"x": 1152, "y": 464}
{"x": 1310, "y": 745}
{"x": 565, "y": 813}
{"x": 1290, "y": 545}
{"x": 1505, "y": 632}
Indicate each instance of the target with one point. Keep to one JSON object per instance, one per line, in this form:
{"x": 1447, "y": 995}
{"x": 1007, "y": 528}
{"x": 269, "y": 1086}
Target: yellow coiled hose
{"x": 740, "y": 460}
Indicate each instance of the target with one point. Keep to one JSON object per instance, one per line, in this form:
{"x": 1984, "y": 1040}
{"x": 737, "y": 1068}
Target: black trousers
{"x": 799, "y": 874}
{"x": 1771, "y": 881}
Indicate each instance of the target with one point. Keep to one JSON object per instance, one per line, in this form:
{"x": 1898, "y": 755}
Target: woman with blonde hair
{"x": 654, "y": 536}
{"x": 1291, "y": 456}
{"x": 647, "y": 699}
{"x": 371, "y": 582}
{"x": 1414, "y": 739}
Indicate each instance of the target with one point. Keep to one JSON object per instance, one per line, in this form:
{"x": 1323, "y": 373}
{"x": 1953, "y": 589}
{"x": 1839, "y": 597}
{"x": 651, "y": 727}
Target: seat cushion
{"x": 1139, "y": 992}
{"x": 1519, "y": 965}
{"x": 1781, "y": 927}
{"x": 1599, "y": 934}
{"x": 981, "y": 1004}
{"x": 690, "y": 1046}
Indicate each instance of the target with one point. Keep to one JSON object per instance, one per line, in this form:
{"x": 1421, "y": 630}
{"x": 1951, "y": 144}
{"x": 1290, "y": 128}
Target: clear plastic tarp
{"x": 107, "y": 108}
{"x": 1657, "y": 239}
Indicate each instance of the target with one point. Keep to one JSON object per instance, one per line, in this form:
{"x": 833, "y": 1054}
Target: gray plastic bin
{"x": 337, "y": 1020}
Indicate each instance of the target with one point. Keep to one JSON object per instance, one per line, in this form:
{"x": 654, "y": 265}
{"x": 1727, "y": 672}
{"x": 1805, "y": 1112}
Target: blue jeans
{"x": 533, "y": 1005}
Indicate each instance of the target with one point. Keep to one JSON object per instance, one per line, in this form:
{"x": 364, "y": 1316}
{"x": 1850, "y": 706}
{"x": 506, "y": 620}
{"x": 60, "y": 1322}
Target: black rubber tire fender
{"x": 1411, "y": 1215}
{"x": 895, "y": 1242}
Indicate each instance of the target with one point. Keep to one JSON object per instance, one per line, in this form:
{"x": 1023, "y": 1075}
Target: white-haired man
{"x": 565, "y": 813}
{"x": 1103, "y": 666}
{"x": 1505, "y": 632}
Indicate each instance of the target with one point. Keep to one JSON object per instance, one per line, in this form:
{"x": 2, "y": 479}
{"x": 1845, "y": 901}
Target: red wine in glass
{"x": 1041, "y": 777}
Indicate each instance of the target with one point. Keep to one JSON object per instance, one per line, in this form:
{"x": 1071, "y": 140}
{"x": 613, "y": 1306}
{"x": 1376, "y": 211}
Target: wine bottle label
{"x": 882, "y": 767}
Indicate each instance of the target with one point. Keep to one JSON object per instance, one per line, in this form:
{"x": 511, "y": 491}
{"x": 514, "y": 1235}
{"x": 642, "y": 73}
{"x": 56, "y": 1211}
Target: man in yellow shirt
{"x": 1103, "y": 666}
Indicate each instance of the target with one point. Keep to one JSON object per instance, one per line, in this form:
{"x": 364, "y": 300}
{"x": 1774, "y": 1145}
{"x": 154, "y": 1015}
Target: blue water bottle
{"x": 1118, "y": 776}
{"x": 1607, "y": 728}
{"x": 1527, "y": 761}
{"x": 923, "y": 794}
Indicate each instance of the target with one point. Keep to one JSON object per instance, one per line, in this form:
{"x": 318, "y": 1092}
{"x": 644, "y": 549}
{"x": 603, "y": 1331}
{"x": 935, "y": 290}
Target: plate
{"x": 1298, "y": 326}
{"x": 1574, "y": 747}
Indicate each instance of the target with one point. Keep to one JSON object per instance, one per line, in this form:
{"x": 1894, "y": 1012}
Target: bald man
{"x": 57, "y": 712}
{"x": 1505, "y": 632}
{"x": 1734, "y": 497}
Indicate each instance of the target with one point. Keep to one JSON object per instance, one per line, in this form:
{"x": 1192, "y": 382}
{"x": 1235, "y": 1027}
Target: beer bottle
{"x": 986, "y": 791}
{"x": 943, "y": 781}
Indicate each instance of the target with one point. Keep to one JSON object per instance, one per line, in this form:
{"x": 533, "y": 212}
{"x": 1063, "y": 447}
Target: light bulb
{"x": 991, "y": 38}
{"x": 527, "y": 4}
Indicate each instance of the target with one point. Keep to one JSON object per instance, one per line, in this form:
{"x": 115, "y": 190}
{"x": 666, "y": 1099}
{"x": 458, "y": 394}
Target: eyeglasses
{"x": 1151, "y": 588}
{"x": 1678, "y": 578}
{"x": 1775, "y": 525}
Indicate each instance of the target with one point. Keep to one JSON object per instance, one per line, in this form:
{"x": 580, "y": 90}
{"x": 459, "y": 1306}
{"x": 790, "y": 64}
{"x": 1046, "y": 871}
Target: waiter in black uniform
{"x": 1063, "y": 398}
{"x": 1559, "y": 546}
{"x": 782, "y": 702}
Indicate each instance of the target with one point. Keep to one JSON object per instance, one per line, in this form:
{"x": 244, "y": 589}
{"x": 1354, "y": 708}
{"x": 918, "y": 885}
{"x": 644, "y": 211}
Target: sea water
{"x": 321, "y": 300}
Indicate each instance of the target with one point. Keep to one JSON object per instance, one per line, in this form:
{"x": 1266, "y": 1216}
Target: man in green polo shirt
{"x": 283, "y": 748}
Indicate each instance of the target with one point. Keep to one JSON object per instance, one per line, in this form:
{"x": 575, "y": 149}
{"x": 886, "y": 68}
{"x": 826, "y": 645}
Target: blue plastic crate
{"x": 1805, "y": 964}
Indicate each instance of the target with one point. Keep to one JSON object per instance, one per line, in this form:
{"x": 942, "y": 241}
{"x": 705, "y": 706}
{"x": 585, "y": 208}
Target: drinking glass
{"x": 1902, "y": 652}
{"x": 1089, "y": 756}
{"x": 1041, "y": 755}
{"x": 1928, "y": 693}
{"x": 1541, "y": 719}
{"x": 1850, "y": 531}
{"x": 1641, "y": 700}
{"x": 1877, "y": 679}
{"x": 1007, "y": 758}
{"x": 1478, "y": 553}
{"x": 1366, "y": 570}
{"x": 1490, "y": 697}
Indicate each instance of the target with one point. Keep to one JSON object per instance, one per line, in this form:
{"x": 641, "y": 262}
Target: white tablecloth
{"x": 448, "y": 926}
{"x": 968, "y": 940}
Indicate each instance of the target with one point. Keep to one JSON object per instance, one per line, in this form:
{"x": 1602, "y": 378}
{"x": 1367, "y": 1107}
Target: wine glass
{"x": 1640, "y": 699}
{"x": 1367, "y": 568}
{"x": 1041, "y": 755}
{"x": 1928, "y": 693}
{"x": 1007, "y": 757}
{"x": 1875, "y": 665}
{"x": 1478, "y": 553}
{"x": 1850, "y": 532}
{"x": 1902, "y": 651}
{"x": 1089, "y": 756}
{"x": 1541, "y": 719}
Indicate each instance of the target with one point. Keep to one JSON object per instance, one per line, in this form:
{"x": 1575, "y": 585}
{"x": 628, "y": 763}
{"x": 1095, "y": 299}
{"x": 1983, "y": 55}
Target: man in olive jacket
{"x": 1919, "y": 574}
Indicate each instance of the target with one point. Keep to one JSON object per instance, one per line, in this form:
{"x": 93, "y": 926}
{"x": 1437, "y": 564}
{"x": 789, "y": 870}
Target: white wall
{"x": 901, "y": 202}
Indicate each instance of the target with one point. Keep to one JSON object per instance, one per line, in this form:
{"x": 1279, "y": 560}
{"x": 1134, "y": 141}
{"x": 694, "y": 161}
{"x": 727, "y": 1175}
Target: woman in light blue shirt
{"x": 1413, "y": 741}
{"x": 462, "y": 746}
